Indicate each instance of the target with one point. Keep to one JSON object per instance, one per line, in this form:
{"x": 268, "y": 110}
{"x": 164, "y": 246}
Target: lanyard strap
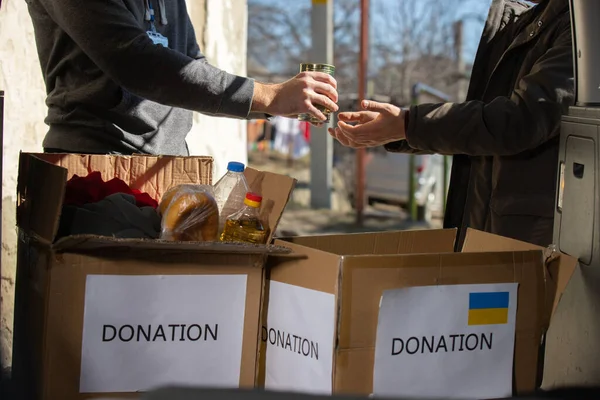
{"x": 149, "y": 15}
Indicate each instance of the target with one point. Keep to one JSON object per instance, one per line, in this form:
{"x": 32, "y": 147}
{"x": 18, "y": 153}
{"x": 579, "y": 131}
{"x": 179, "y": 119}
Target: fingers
{"x": 327, "y": 90}
{"x": 324, "y": 101}
{"x": 343, "y": 139}
{"x": 360, "y": 116}
{"x": 314, "y": 111}
{"x": 349, "y": 116}
{"x": 354, "y": 130}
{"x": 338, "y": 136}
{"x": 322, "y": 77}
{"x": 336, "y": 133}
{"x": 378, "y": 107}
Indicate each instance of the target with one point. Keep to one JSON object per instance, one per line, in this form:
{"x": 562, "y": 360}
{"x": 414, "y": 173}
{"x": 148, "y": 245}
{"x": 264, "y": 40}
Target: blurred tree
{"x": 410, "y": 41}
{"x": 279, "y": 37}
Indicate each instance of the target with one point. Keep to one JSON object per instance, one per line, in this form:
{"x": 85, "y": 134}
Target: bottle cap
{"x": 235, "y": 166}
{"x": 253, "y": 200}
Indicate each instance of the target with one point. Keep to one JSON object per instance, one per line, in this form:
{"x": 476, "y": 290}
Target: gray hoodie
{"x": 112, "y": 89}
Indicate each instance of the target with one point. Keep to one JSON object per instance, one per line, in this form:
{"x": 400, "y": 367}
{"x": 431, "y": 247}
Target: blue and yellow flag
{"x": 488, "y": 308}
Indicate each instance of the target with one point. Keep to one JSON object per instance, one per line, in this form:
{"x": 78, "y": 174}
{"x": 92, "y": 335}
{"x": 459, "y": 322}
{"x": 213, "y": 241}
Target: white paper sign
{"x": 141, "y": 332}
{"x": 454, "y": 341}
{"x": 300, "y": 337}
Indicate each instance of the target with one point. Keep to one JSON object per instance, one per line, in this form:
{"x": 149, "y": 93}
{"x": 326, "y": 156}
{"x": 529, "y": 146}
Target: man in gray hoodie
{"x": 123, "y": 76}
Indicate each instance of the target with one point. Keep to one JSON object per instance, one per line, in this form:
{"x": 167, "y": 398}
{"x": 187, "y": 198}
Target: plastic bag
{"x": 189, "y": 213}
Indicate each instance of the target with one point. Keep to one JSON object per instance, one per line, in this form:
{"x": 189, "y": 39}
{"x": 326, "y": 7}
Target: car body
{"x": 430, "y": 193}
{"x": 386, "y": 175}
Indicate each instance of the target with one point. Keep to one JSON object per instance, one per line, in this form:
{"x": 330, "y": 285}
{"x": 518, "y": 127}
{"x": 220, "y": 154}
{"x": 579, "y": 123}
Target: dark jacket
{"x": 111, "y": 89}
{"x": 504, "y": 138}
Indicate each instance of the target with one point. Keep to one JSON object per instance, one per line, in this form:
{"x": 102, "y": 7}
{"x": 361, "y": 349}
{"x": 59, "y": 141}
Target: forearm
{"x": 402, "y": 146}
{"x": 197, "y": 86}
{"x": 263, "y": 97}
{"x": 501, "y": 127}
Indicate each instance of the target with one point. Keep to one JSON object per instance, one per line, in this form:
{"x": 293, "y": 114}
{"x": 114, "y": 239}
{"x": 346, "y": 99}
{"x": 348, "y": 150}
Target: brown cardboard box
{"x": 354, "y": 270}
{"x": 51, "y": 303}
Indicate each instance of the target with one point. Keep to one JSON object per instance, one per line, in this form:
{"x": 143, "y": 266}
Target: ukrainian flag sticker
{"x": 488, "y": 308}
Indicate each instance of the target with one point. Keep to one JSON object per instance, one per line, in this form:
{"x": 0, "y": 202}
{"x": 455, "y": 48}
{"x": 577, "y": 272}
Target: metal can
{"x": 327, "y": 69}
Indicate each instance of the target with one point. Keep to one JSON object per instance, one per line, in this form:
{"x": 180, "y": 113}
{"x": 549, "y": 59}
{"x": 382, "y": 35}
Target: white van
{"x": 387, "y": 180}
{"x": 430, "y": 193}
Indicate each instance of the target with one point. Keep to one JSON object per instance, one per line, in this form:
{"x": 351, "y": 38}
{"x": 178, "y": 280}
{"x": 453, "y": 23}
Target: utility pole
{"x": 362, "y": 81}
{"x": 321, "y": 143}
{"x": 461, "y": 92}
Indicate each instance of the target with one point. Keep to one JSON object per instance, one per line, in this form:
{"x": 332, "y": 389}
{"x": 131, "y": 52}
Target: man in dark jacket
{"x": 123, "y": 76}
{"x": 504, "y": 138}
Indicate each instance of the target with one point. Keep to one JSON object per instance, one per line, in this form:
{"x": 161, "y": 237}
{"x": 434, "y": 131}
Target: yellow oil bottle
{"x": 245, "y": 225}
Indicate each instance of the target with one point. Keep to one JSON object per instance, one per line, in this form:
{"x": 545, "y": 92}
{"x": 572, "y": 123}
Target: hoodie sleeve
{"x": 109, "y": 35}
{"x": 402, "y": 146}
{"x": 193, "y": 49}
{"x": 506, "y": 125}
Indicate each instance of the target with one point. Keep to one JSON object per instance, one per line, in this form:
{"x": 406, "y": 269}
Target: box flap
{"x": 306, "y": 267}
{"x": 87, "y": 243}
{"x": 482, "y": 242}
{"x": 40, "y": 193}
{"x": 151, "y": 174}
{"x": 42, "y": 180}
{"x": 399, "y": 242}
{"x": 275, "y": 190}
{"x": 560, "y": 266}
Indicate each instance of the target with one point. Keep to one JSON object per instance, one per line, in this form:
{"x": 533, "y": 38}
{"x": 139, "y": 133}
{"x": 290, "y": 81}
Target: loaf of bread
{"x": 189, "y": 213}
{"x": 167, "y": 197}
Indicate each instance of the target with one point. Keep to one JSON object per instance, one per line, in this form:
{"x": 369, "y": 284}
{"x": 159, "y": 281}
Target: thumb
{"x": 375, "y": 106}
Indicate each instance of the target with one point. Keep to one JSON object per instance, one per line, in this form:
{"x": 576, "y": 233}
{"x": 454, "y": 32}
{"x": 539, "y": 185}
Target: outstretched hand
{"x": 379, "y": 124}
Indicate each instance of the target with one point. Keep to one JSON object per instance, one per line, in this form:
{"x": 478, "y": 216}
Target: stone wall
{"x": 221, "y": 30}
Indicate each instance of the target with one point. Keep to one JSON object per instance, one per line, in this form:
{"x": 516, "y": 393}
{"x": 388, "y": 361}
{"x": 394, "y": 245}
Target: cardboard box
{"x": 347, "y": 274}
{"x": 84, "y": 304}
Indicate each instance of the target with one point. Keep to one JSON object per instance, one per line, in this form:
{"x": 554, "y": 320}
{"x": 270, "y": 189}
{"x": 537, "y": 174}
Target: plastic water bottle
{"x": 230, "y": 192}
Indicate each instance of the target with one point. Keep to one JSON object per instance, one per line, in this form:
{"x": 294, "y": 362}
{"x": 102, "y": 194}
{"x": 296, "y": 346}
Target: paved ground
{"x": 299, "y": 219}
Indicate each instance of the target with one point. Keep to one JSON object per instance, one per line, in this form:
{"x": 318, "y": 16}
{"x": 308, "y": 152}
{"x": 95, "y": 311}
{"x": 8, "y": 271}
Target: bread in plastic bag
{"x": 189, "y": 213}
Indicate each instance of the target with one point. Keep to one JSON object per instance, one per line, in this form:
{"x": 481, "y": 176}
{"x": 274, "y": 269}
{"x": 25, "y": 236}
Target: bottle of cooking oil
{"x": 245, "y": 225}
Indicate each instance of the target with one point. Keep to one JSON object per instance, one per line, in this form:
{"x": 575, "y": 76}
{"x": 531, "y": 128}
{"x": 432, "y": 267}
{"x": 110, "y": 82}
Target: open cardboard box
{"x": 347, "y": 274}
{"x": 89, "y": 310}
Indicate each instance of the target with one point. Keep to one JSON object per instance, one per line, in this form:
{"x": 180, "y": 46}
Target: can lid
{"x": 235, "y": 166}
{"x": 253, "y": 197}
{"x": 319, "y": 67}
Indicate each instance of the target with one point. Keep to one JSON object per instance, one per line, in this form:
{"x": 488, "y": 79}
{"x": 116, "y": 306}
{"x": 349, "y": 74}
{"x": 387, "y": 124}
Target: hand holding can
{"x": 324, "y": 68}
{"x": 311, "y": 95}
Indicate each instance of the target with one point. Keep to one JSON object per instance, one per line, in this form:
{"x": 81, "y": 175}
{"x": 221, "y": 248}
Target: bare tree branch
{"x": 411, "y": 40}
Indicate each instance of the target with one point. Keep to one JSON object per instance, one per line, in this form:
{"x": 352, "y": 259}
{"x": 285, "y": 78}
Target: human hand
{"x": 379, "y": 124}
{"x": 297, "y": 95}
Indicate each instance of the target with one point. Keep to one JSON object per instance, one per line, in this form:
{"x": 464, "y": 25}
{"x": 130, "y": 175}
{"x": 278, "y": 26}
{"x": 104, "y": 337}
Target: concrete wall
{"x": 223, "y": 39}
{"x": 221, "y": 27}
{"x": 24, "y": 129}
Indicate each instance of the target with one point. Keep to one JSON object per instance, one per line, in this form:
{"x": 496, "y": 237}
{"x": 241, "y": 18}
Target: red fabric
{"x": 92, "y": 189}
{"x": 306, "y": 131}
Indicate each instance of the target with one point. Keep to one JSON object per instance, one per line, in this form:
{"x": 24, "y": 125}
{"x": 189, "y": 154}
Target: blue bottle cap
{"x": 235, "y": 166}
